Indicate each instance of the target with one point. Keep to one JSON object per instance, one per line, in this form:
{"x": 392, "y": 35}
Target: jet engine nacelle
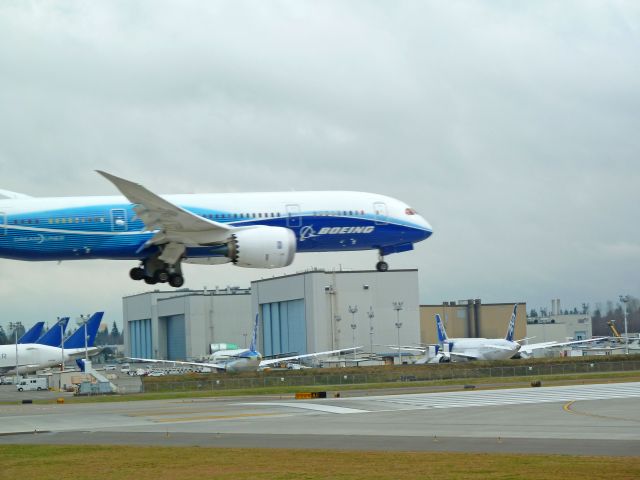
{"x": 262, "y": 247}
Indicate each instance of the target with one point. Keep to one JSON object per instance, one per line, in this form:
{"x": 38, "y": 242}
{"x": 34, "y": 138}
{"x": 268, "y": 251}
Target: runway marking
{"x": 212, "y": 417}
{"x": 567, "y": 407}
{"x": 309, "y": 406}
{"x": 480, "y": 398}
{"x": 172, "y": 412}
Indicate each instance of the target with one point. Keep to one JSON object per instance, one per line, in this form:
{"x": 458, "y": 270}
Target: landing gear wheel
{"x": 136, "y": 273}
{"x": 161, "y": 276}
{"x": 150, "y": 281}
{"x": 382, "y": 266}
{"x": 176, "y": 280}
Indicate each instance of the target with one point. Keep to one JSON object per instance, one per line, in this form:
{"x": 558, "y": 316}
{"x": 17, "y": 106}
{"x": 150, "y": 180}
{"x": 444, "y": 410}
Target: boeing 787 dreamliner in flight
{"x": 255, "y": 230}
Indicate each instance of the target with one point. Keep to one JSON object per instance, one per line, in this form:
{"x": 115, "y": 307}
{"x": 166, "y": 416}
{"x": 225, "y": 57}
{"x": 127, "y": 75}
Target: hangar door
{"x": 284, "y": 327}
{"x": 176, "y": 338}
{"x": 140, "y": 336}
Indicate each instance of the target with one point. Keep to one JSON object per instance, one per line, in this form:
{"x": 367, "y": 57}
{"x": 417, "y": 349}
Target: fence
{"x": 415, "y": 373}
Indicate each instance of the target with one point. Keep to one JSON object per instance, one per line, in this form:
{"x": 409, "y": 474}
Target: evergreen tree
{"x": 3, "y": 337}
{"x": 116, "y": 336}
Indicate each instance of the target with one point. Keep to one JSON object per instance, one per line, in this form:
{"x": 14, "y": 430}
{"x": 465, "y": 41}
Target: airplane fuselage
{"x": 482, "y": 348}
{"x": 72, "y": 228}
{"x": 33, "y": 357}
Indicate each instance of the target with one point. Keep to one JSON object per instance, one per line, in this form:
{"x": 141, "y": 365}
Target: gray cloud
{"x": 511, "y": 127}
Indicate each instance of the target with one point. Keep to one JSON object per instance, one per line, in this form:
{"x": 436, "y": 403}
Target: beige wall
{"x": 459, "y": 320}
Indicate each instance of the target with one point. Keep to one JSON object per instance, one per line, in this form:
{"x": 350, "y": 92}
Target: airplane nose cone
{"x": 428, "y": 229}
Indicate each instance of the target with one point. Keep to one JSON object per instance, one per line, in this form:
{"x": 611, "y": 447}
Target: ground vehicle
{"x": 125, "y": 368}
{"x": 38, "y": 383}
{"x": 109, "y": 368}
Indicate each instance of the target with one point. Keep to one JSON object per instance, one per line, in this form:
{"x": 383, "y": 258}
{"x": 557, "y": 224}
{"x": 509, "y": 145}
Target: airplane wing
{"x": 528, "y": 349}
{"x": 275, "y": 361}
{"x": 462, "y": 356}
{"x": 172, "y": 224}
{"x": 415, "y": 349}
{"x": 218, "y": 366}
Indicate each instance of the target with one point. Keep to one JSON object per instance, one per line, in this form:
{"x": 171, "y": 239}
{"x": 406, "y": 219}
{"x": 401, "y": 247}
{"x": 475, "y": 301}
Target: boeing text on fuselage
{"x": 254, "y": 230}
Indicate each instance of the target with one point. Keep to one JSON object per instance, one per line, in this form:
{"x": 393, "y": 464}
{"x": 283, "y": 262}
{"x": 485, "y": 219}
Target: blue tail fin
{"x": 77, "y": 339}
{"x": 442, "y": 333}
{"x": 54, "y": 335}
{"x": 33, "y": 334}
{"x": 512, "y": 324}
{"x": 254, "y": 338}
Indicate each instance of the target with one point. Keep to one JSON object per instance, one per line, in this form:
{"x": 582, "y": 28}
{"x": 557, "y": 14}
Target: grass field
{"x": 158, "y": 463}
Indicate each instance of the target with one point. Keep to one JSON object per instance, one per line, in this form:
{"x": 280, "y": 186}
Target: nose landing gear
{"x": 382, "y": 266}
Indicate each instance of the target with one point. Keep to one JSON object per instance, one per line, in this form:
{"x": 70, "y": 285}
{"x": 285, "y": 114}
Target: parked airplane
{"x": 463, "y": 349}
{"x": 35, "y": 356}
{"x": 244, "y": 359}
{"x": 255, "y": 230}
{"x": 55, "y": 334}
{"x": 32, "y": 334}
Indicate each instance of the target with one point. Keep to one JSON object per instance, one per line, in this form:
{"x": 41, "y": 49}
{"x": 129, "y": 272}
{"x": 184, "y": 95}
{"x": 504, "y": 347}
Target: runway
{"x": 585, "y": 419}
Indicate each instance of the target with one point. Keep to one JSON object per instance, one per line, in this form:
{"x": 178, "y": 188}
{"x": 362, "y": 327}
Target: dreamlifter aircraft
{"x": 256, "y": 230}
{"x": 35, "y": 356}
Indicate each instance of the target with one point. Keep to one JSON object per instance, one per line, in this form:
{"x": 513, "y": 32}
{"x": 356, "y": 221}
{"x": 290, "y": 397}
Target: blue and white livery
{"x": 255, "y": 230}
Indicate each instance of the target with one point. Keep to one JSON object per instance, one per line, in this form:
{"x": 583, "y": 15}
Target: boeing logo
{"x": 308, "y": 231}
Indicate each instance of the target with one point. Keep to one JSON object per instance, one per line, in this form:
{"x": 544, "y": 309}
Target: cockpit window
{"x": 410, "y": 211}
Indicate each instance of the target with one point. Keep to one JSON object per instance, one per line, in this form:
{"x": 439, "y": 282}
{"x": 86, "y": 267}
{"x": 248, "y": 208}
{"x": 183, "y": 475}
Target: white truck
{"x": 38, "y": 383}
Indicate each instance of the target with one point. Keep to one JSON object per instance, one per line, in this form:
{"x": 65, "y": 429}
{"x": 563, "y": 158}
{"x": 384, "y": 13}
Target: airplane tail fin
{"x": 442, "y": 333}
{"x": 512, "y": 324}
{"x": 54, "y": 335}
{"x": 254, "y": 337}
{"x": 33, "y": 334}
{"x": 77, "y": 339}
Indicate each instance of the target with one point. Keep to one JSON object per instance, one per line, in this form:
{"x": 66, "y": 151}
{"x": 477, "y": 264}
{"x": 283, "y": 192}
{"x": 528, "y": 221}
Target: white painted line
{"x": 309, "y": 406}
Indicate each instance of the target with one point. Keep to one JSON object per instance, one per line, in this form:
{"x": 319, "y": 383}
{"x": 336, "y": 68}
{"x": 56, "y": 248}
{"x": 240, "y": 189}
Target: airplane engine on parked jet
{"x": 262, "y": 247}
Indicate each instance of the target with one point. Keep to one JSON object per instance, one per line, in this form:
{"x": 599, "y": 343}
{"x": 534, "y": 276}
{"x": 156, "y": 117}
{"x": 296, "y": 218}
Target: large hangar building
{"x": 320, "y": 310}
{"x": 305, "y": 312}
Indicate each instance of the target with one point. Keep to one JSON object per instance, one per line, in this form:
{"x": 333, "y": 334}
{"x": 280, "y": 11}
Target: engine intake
{"x": 262, "y": 247}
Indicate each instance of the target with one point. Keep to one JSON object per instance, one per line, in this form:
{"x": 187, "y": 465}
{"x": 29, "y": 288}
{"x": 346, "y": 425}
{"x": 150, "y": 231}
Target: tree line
{"x": 103, "y": 337}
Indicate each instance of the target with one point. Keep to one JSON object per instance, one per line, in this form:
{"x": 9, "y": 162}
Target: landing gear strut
{"x": 382, "y": 266}
{"x": 152, "y": 270}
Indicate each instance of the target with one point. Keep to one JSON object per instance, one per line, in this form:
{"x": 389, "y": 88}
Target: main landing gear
{"x": 153, "y": 270}
{"x": 382, "y": 266}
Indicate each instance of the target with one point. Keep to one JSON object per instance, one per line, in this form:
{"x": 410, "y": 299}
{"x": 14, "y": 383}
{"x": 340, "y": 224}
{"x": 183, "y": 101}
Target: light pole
{"x": 61, "y": 349}
{"x": 625, "y": 301}
{"x": 353, "y": 327}
{"x": 370, "y": 315}
{"x": 397, "y": 306}
{"x": 337, "y": 319}
{"x": 353, "y": 310}
{"x": 84, "y": 319}
{"x": 245, "y": 339}
{"x": 16, "y": 326}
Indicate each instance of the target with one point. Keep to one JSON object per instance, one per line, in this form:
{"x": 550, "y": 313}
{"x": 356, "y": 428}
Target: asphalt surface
{"x": 580, "y": 419}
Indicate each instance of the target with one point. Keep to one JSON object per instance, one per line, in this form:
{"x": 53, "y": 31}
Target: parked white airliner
{"x": 255, "y": 230}
{"x": 469, "y": 348}
{"x": 245, "y": 359}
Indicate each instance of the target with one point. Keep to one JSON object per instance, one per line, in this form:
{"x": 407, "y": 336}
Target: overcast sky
{"x": 512, "y": 127}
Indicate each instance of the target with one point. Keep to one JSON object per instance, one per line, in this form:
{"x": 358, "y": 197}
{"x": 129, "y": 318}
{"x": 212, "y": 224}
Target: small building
{"x": 559, "y": 328}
